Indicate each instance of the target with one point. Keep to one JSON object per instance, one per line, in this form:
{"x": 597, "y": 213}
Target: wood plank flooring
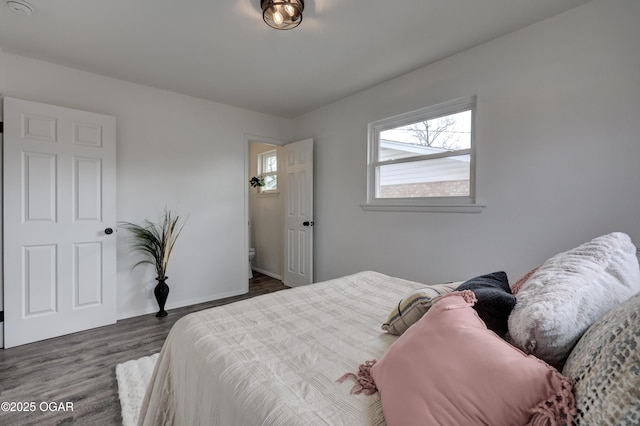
{"x": 80, "y": 368}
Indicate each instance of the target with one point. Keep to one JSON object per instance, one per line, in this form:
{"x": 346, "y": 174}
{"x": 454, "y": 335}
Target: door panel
{"x": 59, "y": 196}
{"x": 87, "y": 283}
{"x": 87, "y": 190}
{"x": 40, "y": 284}
{"x": 39, "y": 191}
{"x": 299, "y": 223}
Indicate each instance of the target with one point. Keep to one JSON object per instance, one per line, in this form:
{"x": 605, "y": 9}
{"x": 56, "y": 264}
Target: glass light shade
{"x": 282, "y": 14}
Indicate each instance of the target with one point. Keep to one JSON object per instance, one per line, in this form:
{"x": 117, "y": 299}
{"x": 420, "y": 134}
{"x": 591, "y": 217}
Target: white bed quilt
{"x": 274, "y": 359}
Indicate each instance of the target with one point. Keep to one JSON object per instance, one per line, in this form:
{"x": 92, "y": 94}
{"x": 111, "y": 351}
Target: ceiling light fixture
{"x": 282, "y": 14}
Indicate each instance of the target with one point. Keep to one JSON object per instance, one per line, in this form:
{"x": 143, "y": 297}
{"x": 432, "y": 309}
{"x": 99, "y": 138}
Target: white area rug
{"x": 133, "y": 378}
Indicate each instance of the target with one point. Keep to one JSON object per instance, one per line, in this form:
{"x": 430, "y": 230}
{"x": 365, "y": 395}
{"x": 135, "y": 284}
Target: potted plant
{"x": 257, "y": 182}
{"x": 155, "y": 242}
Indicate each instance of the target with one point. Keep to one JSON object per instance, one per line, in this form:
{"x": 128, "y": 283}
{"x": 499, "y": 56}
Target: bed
{"x": 275, "y": 359}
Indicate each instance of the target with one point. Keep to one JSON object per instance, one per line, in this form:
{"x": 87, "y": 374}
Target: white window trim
{"x": 261, "y": 155}
{"x": 466, "y": 204}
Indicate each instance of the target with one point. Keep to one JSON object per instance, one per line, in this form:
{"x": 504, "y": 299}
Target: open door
{"x": 298, "y": 221}
{"x": 59, "y": 218}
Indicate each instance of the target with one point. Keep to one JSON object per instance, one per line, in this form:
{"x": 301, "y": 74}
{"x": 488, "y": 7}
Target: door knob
{"x": 307, "y": 223}
{"x": 108, "y": 231}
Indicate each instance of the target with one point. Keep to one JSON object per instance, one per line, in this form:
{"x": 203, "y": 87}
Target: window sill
{"x": 268, "y": 194}
{"x": 434, "y": 208}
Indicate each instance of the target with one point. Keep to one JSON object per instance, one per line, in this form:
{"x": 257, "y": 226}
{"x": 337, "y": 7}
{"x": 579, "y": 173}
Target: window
{"x": 424, "y": 160}
{"x": 268, "y": 168}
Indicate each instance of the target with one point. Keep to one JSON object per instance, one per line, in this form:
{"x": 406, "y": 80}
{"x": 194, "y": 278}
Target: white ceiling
{"x": 221, "y": 49}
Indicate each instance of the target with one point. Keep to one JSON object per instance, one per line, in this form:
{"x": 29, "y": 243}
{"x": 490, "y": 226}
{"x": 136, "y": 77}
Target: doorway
{"x": 280, "y": 220}
{"x": 266, "y": 207}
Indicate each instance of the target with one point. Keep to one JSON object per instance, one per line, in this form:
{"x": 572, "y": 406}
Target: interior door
{"x": 59, "y": 217}
{"x": 298, "y": 222}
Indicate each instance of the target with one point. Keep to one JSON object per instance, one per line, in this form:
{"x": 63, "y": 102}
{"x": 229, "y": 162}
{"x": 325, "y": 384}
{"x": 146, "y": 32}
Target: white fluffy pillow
{"x": 569, "y": 292}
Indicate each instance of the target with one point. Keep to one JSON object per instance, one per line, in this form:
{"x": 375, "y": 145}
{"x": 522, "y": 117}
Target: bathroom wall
{"x": 266, "y": 218}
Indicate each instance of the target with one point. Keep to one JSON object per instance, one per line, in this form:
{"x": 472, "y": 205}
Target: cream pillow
{"x": 569, "y": 292}
{"x": 412, "y": 307}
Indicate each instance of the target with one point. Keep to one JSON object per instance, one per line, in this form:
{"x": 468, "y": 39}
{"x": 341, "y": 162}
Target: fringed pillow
{"x": 448, "y": 368}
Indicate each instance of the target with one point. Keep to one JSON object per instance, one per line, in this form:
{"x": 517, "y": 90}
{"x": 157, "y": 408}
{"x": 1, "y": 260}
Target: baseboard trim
{"x": 150, "y": 310}
{"x": 267, "y": 273}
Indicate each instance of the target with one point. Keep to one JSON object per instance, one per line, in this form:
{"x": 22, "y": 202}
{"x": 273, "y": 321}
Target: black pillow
{"x": 495, "y": 300}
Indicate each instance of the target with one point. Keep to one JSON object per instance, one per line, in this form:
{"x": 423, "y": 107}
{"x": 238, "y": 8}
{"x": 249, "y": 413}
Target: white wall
{"x": 558, "y": 151}
{"x": 558, "y": 146}
{"x": 266, "y": 216}
{"x": 172, "y": 150}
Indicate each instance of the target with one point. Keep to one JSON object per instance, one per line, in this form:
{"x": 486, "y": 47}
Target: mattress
{"x": 274, "y": 359}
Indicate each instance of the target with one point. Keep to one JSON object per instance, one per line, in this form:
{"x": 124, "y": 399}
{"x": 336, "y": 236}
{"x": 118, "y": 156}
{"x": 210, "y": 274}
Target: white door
{"x": 59, "y": 217}
{"x": 298, "y": 217}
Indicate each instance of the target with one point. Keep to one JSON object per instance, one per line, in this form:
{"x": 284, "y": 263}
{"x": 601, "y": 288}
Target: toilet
{"x": 252, "y": 254}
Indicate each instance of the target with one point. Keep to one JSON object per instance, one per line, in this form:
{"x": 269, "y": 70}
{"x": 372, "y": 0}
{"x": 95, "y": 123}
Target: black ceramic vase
{"x": 161, "y": 292}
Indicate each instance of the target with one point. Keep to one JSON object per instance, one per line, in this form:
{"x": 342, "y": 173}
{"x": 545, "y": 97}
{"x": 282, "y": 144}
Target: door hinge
{"x": 1, "y": 127}
{"x": 1, "y": 316}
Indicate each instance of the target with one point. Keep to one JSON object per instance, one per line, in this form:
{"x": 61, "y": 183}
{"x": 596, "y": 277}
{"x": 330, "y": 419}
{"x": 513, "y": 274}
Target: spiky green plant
{"x": 155, "y": 241}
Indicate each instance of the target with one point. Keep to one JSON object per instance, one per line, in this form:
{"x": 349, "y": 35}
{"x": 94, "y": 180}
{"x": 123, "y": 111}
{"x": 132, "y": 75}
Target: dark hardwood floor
{"x": 80, "y": 368}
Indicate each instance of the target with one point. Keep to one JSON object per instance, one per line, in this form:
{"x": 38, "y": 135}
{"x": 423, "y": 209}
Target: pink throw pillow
{"x": 449, "y": 369}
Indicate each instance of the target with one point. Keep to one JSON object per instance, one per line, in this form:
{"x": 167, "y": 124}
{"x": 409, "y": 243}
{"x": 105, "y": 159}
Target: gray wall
{"x": 558, "y": 151}
{"x": 558, "y": 143}
{"x": 172, "y": 150}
